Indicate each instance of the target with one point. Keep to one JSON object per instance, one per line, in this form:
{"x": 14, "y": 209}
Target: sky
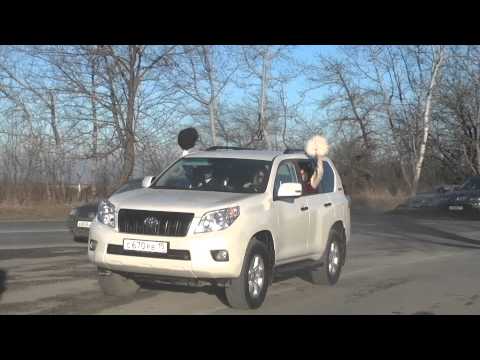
{"x": 307, "y": 54}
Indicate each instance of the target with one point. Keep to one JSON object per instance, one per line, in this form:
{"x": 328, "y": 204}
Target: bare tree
{"x": 401, "y": 81}
{"x": 202, "y": 75}
{"x": 126, "y": 70}
{"x": 348, "y": 104}
{"x": 259, "y": 61}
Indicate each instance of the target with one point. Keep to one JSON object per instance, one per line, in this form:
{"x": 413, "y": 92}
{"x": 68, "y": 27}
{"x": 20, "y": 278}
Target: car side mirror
{"x": 147, "y": 181}
{"x": 289, "y": 190}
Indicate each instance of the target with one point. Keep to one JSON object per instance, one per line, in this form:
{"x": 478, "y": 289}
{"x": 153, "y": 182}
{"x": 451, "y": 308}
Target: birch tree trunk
{"x": 427, "y": 119}
{"x": 263, "y": 100}
{"x": 477, "y": 141}
{"x": 94, "y": 133}
{"x": 212, "y": 103}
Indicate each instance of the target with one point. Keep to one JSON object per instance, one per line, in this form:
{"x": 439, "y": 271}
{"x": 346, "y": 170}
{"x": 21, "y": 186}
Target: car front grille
{"x": 154, "y": 222}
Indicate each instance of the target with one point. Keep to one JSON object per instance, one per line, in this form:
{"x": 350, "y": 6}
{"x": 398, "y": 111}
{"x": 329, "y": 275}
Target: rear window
{"x": 328, "y": 179}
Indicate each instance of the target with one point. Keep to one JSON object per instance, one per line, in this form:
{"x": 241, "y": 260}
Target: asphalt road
{"x": 33, "y": 234}
{"x": 395, "y": 265}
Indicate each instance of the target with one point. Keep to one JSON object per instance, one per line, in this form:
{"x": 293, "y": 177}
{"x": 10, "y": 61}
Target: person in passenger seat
{"x": 305, "y": 176}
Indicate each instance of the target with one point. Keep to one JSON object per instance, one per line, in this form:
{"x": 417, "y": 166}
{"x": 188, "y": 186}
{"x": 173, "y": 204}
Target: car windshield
{"x": 472, "y": 184}
{"x": 216, "y": 174}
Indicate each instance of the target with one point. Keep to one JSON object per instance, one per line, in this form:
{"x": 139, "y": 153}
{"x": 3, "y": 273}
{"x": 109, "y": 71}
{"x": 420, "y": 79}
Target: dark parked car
{"x": 434, "y": 201}
{"x": 466, "y": 201}
{"x": 80, "y": 218}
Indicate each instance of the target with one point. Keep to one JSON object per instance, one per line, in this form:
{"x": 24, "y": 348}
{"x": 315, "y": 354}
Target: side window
{"x": 328, "y": 180}
{"x": 285, "y": 174}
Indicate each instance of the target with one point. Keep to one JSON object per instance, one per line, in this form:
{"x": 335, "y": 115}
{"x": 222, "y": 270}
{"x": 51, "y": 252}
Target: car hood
{"x": 87, "y": 209}
{"x": 197, "y": 202}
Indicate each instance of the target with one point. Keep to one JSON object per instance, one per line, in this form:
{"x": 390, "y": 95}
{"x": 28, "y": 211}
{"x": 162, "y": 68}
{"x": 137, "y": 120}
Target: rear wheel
{"x": 249, "y": 290}
{"x": 115, "y": 284}
{"x": 329, "y": 273}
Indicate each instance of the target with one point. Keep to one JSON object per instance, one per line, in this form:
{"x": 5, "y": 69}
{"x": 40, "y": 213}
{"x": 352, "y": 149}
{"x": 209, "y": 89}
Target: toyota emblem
{"x": 151, "y": 221}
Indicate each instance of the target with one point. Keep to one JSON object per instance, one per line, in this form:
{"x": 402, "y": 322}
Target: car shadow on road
{"x": 218, "y": 291}
{"x": 408, "y": 226}
{"x": 3, "y": 282}
{"x": 210, "y": 290}
{"x": 433, "y": 214}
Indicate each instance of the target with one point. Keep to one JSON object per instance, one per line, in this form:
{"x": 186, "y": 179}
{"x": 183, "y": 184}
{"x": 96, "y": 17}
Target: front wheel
{"x": 329, "y": 273}
{"x": 249, "y": 290}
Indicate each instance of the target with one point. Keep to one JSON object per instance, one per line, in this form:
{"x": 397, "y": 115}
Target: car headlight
{"x": 217, "y": 220}
{"x": 475, "y": 200}
{"x": 106, "y": 213}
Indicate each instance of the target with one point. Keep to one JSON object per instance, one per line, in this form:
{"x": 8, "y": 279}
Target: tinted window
{"x": 328, "y": 180}
{"x": 216, "y": 174}
{"x": 472, "y": 183}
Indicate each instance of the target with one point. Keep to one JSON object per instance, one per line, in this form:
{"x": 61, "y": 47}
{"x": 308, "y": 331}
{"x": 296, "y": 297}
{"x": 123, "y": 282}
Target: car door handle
{"x": 304, "y": 208}
{"x": 327, "y": 204}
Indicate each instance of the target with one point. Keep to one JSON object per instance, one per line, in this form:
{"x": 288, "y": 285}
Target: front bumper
{"x": 469, "y": 209}
{"x": 78, "y": 232}
{"x": 188, "y": 257}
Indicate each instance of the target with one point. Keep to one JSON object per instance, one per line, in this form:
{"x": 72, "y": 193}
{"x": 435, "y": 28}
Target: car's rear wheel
{"x": 114, "y": 284}
{"x": 249, "y": 290}
{"x": 329, "y": 273}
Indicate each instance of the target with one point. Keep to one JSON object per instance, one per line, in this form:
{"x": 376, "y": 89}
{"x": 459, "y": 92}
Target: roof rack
{"x": 213, "y": 148}
{"x": 294, "y": 151}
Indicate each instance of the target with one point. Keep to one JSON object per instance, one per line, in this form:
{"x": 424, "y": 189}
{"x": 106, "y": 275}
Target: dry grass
{"x": 380, "y": 199}
{"x": 40, "y": 211}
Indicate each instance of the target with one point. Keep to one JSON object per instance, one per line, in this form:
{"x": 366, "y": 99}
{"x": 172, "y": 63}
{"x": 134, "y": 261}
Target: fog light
{"x": 220, "y": 255}
{"x": 92, "y": 245}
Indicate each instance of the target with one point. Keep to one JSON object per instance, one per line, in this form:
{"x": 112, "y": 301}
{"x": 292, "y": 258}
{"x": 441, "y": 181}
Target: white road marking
{"x": 9, "y": 221}
{"x": 40, "y": 246}
{"x": 32, "y": 231}
{"x": 40, "y": 292}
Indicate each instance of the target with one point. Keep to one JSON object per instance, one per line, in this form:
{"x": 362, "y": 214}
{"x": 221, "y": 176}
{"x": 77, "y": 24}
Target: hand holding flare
{"x": 317, "y": 147}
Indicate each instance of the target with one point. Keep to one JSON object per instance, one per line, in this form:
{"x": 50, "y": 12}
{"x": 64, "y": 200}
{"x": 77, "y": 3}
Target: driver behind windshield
{"x": 258, "y": 180}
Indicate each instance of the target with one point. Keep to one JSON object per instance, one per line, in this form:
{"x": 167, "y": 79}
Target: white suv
{"x": 228, "y": 217}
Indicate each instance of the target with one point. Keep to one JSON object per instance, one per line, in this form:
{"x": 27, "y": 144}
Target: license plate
{"x": 145, "y": 246}
{"x": 84, "y": 224}
{"x": 455, "y": 208}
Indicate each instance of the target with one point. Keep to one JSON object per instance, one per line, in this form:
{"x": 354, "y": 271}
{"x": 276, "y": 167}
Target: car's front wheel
{"x": 249, "y": 290}
{"x": 115, "y": 284}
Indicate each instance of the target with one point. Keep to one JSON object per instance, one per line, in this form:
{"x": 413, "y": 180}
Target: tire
{"x": 329, "y": 273}
{"x": 241, "y": 295}
{"x": 80, "y": 239}
{"x": 117, "y": 285}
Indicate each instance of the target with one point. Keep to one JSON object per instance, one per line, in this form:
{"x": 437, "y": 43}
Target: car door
{"x": 291, "y": 217}
{"x": 321, "y": 209}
